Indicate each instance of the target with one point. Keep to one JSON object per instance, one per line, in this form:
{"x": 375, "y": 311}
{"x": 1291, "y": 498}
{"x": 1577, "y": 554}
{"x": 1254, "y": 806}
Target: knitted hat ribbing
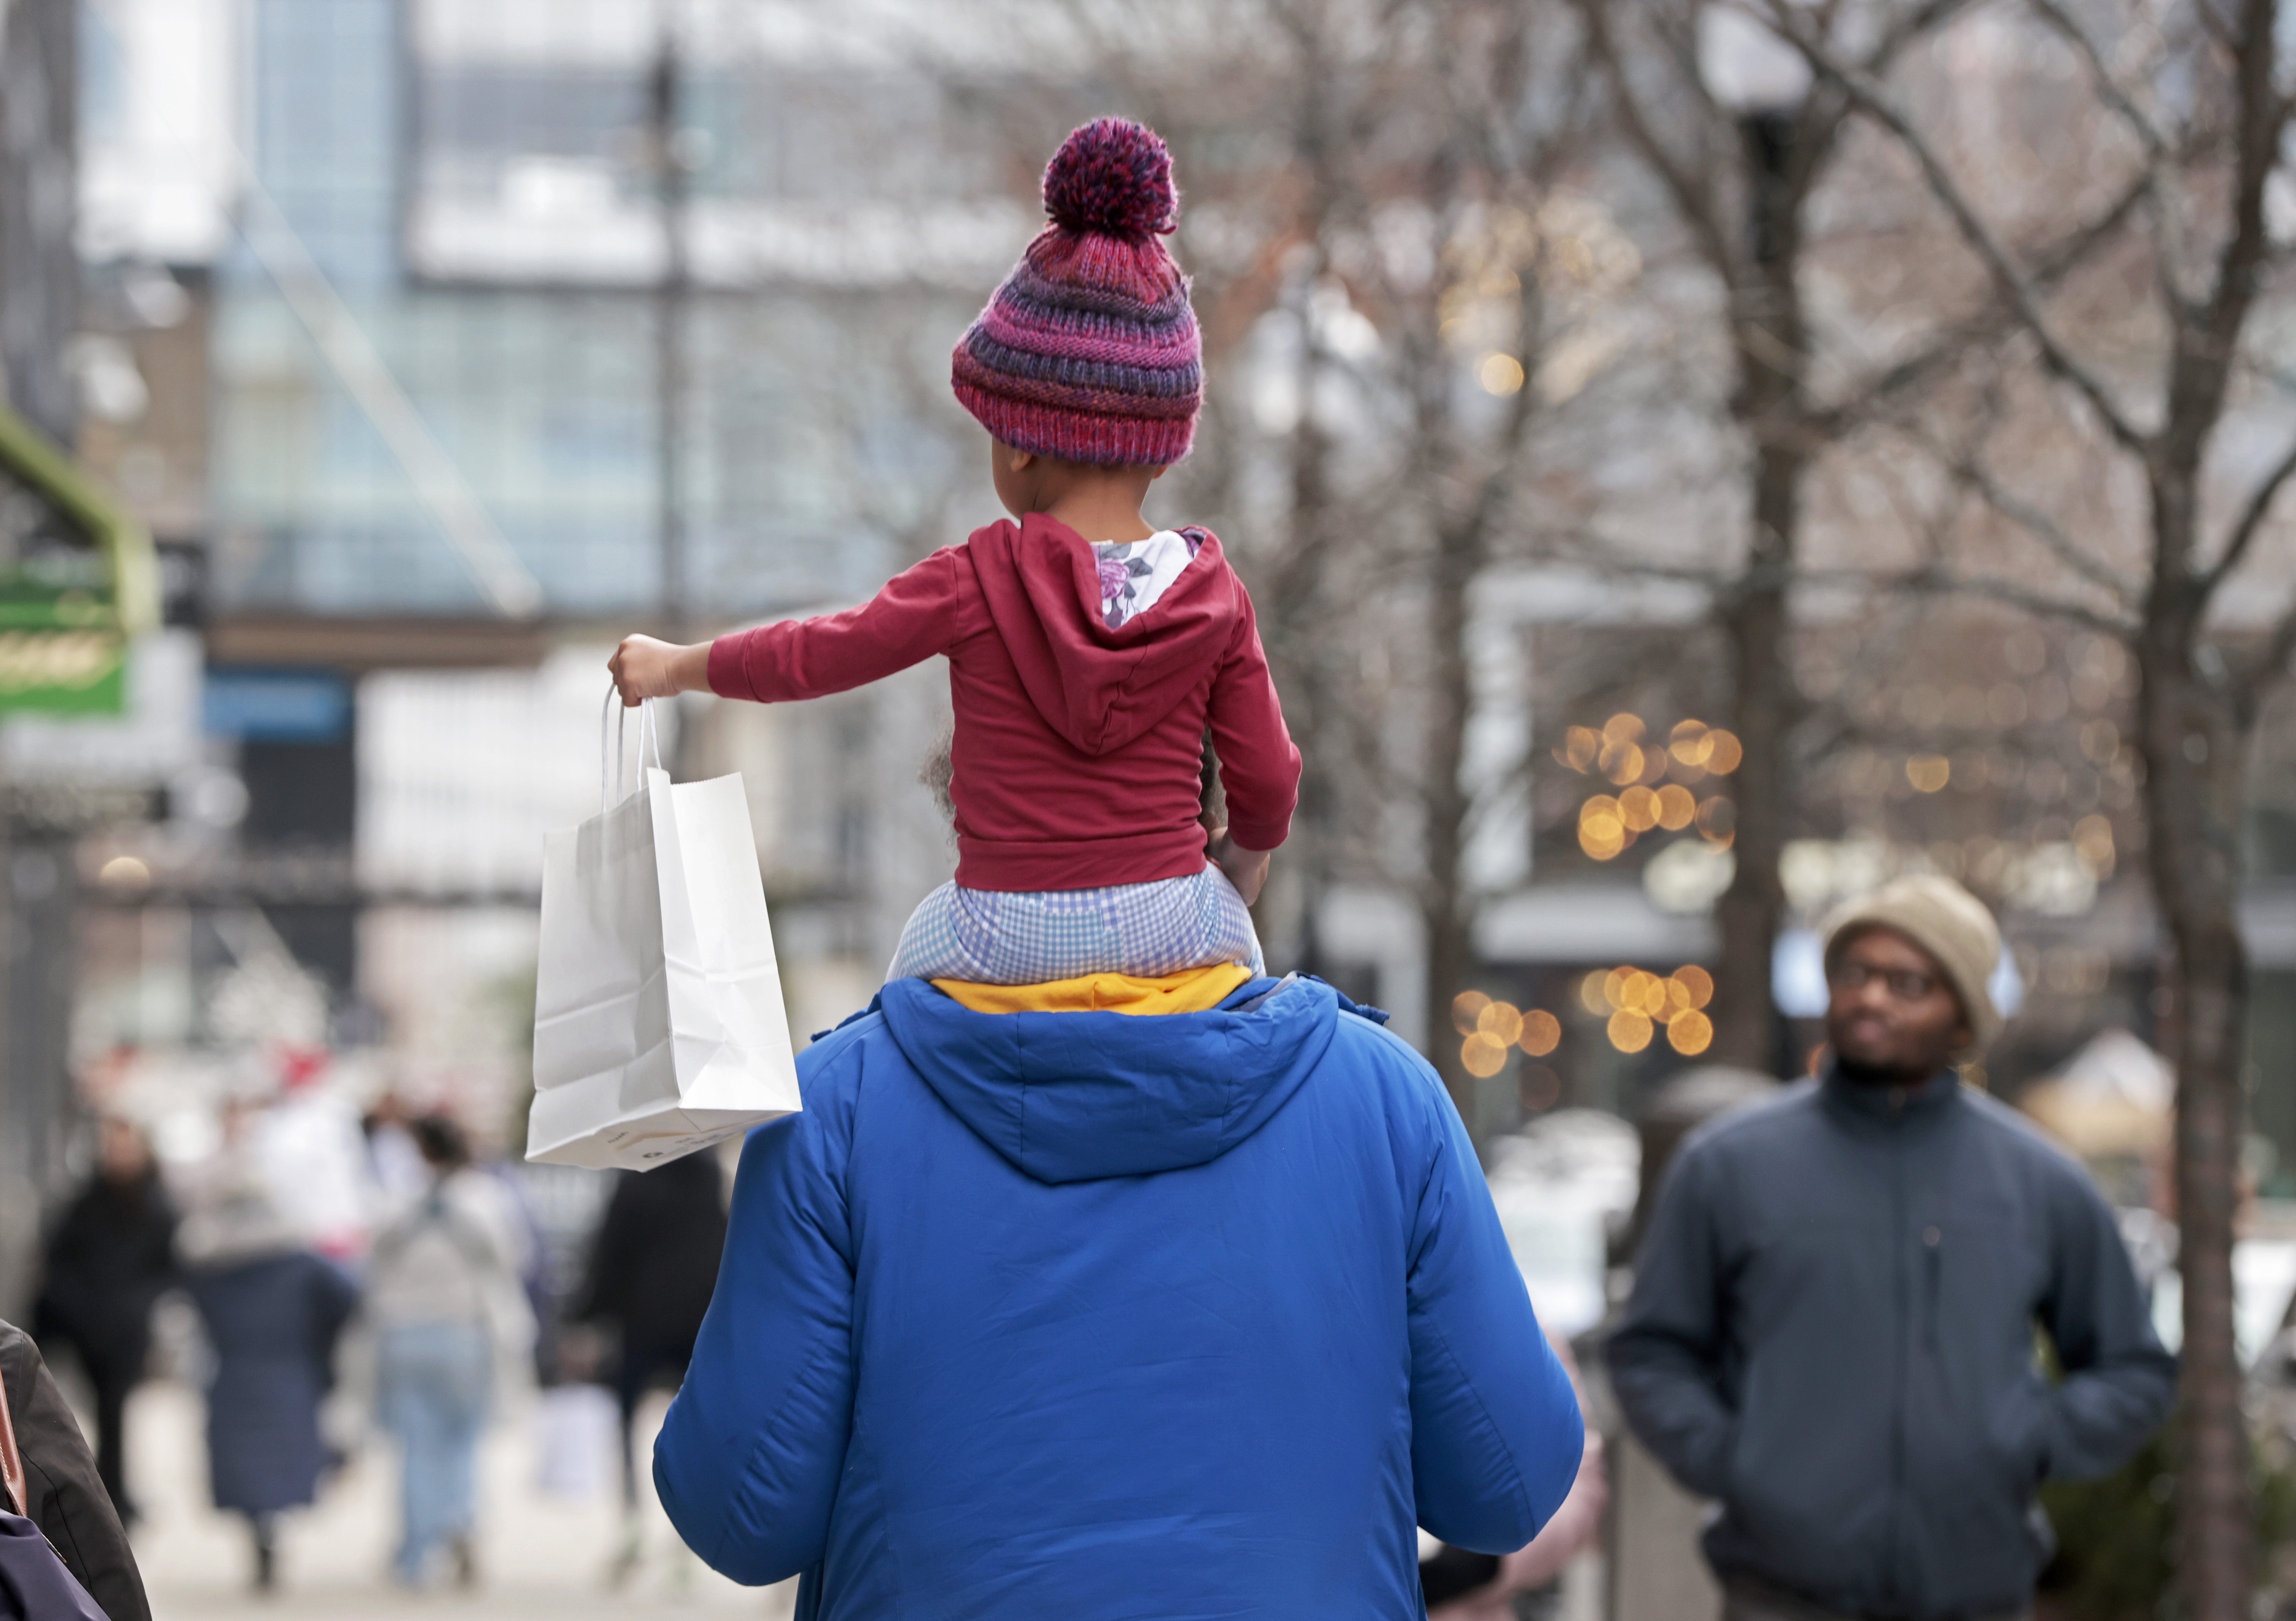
{"x": 1088, "y": 352}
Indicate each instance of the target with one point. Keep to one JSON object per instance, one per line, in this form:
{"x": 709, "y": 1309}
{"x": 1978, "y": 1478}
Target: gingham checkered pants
{"x": 1004, "y": 937}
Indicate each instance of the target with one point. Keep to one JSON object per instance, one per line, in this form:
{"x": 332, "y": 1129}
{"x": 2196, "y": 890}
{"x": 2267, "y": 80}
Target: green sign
{"x": 63, "y": 672}
{"x": 75, "y": 593}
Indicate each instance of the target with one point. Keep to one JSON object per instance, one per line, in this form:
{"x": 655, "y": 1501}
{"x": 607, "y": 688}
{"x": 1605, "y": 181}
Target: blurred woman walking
{"x": 274, "y": 1308}
{"x": 444, "y": 1299}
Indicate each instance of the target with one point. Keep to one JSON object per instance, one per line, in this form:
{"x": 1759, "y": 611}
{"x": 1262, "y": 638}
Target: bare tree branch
{"x": 1819, "y": 126}
{"x": 1862, "y": 401}
{"x": 2024, "y": 299}
{"x": 1915, "y": 22}
{"x": 2036, "y": 522}
{"x": 2167, "y": 225}
{"x": 2251, "y": 521}
{"x": 2218, "y": 28}
{"x": 1832, "y": 722}
{"x": 2015, "y": 593}
{"x": 1696, "y": 202}
{"x": 2263, "y": 117}
{"x": 2108, "y": 88}
{"x": 1679, "y": 36}
{"x": 1584, "y": 546}
{"x": 1910, "y": 25}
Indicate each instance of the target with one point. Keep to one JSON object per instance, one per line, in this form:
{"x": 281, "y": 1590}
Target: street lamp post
{"x": 1762, "y": 82}
{"x": 673, "y": 180}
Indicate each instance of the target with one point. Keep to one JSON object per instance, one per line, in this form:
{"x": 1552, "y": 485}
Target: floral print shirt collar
{"x": 1134, "y": 573}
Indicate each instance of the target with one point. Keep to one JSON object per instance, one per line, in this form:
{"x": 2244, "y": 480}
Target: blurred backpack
{"x": 34, "y": 1585}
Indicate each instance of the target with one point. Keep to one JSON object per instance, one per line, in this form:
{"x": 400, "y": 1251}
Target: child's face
{"x": 1019, "y": 479}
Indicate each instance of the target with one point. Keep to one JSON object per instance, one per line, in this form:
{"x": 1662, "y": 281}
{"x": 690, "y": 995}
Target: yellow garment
{"x": 1191, "y": 991}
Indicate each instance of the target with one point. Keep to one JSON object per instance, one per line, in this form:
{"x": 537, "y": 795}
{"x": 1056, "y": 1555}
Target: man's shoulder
{"x": 833, "y": 1069}
{"x": 2015, "y": 1133}
{"x": 1753, "y": 1129}
{"x": 835, "y": 1048}
{"x": 1363, "y": 1038}
{"x": 1385, "y": 1090}
{"x": 1367, "y": 1048}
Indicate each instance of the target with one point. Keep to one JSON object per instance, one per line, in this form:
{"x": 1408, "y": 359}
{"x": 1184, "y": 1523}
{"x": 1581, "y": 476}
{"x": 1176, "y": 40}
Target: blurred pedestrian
{"x": 109, "y": 1258}
{"x": 1831, "y": 1329}
{"x": 65, "y": 1496}
{"x": 652, "y": 1270}
{"x": 273, "y": 1308}
{"x": 394, "y": 1165}
{"x": 308, "y": 1142}
{"x": 531, "y": 1244}
{"x": 444, "y": 1298}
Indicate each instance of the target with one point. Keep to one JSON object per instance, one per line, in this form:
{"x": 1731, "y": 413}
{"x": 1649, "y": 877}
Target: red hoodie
{"x": 1078, "y": 748}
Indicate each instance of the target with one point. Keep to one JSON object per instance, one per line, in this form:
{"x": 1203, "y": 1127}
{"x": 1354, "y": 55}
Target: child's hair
{"x": 441, "y": 1143}
{"x": 1088, "y": 352}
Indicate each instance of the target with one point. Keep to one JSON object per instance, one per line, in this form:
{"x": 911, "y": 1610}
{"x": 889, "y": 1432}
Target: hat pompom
{"x": 1112, "y": 178}
{"x": 1088, "y": 351}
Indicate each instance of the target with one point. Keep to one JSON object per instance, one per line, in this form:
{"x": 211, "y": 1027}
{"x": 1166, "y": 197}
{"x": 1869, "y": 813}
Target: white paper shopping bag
{"x": 658, "y": 1019}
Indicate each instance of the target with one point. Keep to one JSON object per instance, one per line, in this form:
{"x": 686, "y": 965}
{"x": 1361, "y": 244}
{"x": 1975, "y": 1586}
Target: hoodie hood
{"x": 1073, "y": 1097}
{"x": 1100, "y": 688}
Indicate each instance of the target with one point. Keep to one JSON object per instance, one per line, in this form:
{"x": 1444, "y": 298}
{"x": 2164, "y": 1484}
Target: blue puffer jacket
{"x": 1097, "y": 1316}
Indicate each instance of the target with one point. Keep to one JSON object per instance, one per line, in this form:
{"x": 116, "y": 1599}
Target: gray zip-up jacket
{"x": 1831, "y": 1332}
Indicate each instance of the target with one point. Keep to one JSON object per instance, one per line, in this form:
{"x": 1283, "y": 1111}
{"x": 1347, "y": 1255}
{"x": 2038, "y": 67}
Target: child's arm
{"x": 1258, "y": 766}
{"x": 919, "y": 612}
{"x": 1247, "y": 869}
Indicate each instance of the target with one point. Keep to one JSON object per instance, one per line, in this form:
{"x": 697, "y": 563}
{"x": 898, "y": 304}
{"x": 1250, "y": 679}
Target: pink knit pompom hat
{"x": 1089, "y": 352}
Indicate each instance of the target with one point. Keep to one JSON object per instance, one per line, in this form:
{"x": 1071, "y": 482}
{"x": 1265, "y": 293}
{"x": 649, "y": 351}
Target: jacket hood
{"x": 1073, "y": 1097}
{"x": 1099, "y": 688}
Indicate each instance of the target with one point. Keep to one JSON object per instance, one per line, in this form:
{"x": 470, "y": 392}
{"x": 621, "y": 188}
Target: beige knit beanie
{"x": 1944, "y": 920}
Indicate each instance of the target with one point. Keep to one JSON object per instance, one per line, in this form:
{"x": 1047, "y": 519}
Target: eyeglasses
{"x": 1904, "y": 984}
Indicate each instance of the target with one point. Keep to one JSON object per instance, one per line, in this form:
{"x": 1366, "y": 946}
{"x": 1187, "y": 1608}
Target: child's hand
{"x": 643, "y": 668}
{"x": 1247, "y": 869}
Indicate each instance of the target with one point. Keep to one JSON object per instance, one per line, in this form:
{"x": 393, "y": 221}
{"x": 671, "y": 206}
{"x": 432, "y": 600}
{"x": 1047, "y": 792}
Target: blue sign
{"x": 278, "y": 705}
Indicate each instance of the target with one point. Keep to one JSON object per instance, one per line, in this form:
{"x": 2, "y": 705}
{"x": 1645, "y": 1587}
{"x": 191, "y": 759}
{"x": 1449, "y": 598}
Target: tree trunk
{"x": 1773, "y": 346}
{"x": 1748, "y": 916}
{"x": 1292, "y": 631}
{"x": 1447, "y": 910}
{"x": 2195, "y": 753}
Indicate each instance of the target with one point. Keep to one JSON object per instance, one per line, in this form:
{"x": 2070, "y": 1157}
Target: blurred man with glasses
{"x": 1832, "y": 1326}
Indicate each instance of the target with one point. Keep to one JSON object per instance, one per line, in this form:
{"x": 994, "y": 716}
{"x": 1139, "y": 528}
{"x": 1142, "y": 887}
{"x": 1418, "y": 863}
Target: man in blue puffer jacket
{"x": 1093, "y": 1315}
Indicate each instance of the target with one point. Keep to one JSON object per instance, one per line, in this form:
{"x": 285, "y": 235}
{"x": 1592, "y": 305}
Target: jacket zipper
{"x": 1899, "y": 1342}
{"x": 1933, "y": 1301}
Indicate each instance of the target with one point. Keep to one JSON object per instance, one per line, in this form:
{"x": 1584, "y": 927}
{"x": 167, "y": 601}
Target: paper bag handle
{"x": 609, "y": 778}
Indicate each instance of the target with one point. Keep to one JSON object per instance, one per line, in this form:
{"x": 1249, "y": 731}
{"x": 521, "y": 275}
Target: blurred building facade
{"x": 422, "y": 332}
{"x": 418, "y": 333}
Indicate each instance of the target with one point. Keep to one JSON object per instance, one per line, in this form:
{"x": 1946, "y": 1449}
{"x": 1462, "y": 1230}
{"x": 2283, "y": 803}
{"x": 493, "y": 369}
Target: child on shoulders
{"x": 1089, "y": 651}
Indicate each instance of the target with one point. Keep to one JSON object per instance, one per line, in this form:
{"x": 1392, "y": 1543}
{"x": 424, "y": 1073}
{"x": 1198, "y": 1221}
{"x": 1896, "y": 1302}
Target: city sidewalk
{"x": 538, "y": 1555}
